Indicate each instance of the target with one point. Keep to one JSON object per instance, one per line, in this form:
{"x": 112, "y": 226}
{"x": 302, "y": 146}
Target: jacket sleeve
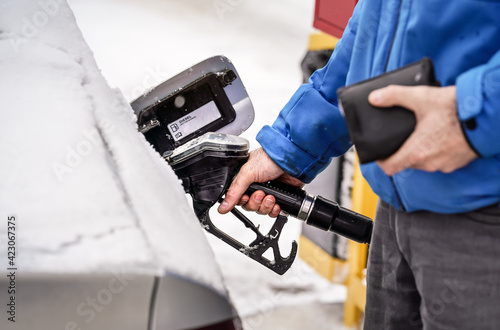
{"x": 478, "y": 106}
{"x": 310, "y": 129}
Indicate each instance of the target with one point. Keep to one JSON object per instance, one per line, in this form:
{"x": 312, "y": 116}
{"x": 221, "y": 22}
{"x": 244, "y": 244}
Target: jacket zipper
{"x": 393, "y": 36}
{"x": 385, "y": 69}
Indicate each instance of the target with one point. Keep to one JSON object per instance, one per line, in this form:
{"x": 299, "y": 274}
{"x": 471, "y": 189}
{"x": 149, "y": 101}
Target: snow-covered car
{"x": 96, "y": 232}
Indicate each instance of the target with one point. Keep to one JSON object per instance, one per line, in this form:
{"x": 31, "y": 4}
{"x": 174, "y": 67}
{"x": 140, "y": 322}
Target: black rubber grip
{"x": 288, "y": 197}
{"x": 325, "y": 214}
{"x": 329, "y": 216}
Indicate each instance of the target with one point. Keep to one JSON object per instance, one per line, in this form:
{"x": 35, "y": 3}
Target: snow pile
{"x": 89, "y": 193}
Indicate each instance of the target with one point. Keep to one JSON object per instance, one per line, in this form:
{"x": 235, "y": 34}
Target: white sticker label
{"x": 193, "y": 121}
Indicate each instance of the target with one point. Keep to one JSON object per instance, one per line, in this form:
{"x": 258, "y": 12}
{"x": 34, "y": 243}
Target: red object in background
{"x": 331, "y": 16}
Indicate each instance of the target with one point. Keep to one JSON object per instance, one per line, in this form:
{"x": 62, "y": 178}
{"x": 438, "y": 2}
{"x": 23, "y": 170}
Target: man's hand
{"x": 258, "y": 168}
{"x": 438, "y": 143}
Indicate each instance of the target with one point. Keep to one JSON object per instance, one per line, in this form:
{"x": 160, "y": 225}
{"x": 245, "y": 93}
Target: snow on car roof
{"x": 88, "y": 191}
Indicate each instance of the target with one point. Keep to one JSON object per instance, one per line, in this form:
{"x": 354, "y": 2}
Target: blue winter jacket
{"x": 462, "y": 37}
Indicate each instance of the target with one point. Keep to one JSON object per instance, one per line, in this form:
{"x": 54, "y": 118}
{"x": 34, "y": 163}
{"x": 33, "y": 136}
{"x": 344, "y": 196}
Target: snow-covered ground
{"x": 138, "y": 44}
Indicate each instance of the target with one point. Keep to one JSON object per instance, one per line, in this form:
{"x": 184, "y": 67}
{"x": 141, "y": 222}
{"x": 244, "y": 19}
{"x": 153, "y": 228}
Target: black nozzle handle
{"x": 317, "y": 211}
{"x": 288, "y": 197}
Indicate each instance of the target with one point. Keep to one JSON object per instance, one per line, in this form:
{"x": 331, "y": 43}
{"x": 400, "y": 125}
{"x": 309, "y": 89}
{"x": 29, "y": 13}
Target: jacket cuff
{"x": 472, "y": 108}
{"x": 290, "y": 157}
{"x": 469, "y": 94}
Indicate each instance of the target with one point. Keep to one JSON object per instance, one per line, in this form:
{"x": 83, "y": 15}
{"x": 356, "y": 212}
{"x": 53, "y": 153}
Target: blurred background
{"x": 139, "y": 44}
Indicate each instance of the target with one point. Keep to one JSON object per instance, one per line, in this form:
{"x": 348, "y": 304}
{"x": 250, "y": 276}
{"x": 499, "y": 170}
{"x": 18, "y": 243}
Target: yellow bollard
{"x": 364, "y": 201}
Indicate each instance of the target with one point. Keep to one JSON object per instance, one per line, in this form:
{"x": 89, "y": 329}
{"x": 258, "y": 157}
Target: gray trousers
{"x": 434, "y": 271}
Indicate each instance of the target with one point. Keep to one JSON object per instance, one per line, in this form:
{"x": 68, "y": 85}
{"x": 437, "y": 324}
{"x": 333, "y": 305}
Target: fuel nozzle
{"x": 206, "y": 166}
